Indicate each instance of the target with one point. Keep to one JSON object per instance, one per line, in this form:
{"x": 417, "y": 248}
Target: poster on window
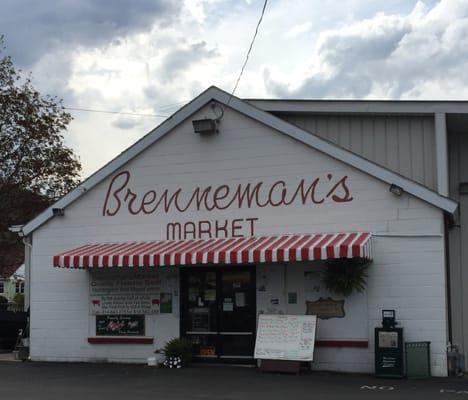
{"x": 125, "y": 293}
{"x": 120, "y": 325}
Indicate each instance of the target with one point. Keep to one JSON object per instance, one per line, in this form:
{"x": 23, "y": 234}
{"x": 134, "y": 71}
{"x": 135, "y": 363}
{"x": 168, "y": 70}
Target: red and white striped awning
{"x": 243, "y": 250}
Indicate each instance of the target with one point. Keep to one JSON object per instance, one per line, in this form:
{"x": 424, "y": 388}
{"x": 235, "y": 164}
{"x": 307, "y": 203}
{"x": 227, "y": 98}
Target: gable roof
{"x": 7, "y": 271}
{"x": 243, "y": 107}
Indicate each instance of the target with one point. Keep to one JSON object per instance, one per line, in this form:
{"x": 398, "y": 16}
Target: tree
{"x": 19, "y": 299}
{"x": 36, "y": 167}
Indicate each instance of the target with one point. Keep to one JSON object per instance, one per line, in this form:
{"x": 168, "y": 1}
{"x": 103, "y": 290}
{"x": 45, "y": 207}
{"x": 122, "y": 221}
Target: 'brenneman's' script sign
{"x": 121, "y": 197}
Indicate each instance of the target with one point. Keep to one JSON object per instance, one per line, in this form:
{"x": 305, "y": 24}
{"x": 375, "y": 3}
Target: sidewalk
{"x": 22, "y": 380}
{"x": 10, "y": 356}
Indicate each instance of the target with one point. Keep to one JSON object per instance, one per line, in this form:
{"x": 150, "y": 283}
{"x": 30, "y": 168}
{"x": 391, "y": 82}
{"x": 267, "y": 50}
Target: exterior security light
{"x": 396, "y": 190}
{"x": 205, "y": 126}
{"x": 15, "y": 228}
{"x": 58, "y": 212}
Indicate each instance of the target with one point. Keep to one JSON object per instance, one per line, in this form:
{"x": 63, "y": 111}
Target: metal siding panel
{"x": 463, "y": 177}
{"x": 402, "y": 144}
{"x": 344, "y": 124}
{"x": 356, "y": 135}
{"x": 393, "y": 156}
{"x": 333, "y": 135}
{"x": 368, "y": 139}
{"x": 457, "y": 236}
{"x": 404, "y": 147}
{"x": 380, "y": 152}
{"x": 322, "y": 127}
{"x": 417, "y": 150}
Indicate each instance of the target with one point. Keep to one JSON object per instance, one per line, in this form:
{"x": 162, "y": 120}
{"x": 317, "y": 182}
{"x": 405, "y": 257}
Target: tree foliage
{"x": 36, "y": 167}
{"x": 33, "y": 155}
{"x": 19, "y": 299}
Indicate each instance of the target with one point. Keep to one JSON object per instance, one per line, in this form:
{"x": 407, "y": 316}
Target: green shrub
{"x": 3, "y": 300}
{"x": 179, "y": 347}
{"x": 345, "y": 276}
{"x": 19, "y": 299}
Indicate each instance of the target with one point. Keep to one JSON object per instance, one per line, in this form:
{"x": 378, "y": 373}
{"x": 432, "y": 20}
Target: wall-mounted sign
{"x": 326, "y": 308}
{"x": 123, "y": 197}
{"x": 120, "y": 325}
{"x": 114, "y": 293}
{"x": 165, "y": 306}
{"x": 388, "y": 339}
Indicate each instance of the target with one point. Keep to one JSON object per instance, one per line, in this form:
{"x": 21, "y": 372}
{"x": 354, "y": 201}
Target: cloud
{"x": 33, "y": 28}
{"x": 126, "y": 122}
{"x": 298, "y": 30}
{"x": 180, "y": 59}
{"x": 388, "y": 56}
{"x": 151, "y": 57}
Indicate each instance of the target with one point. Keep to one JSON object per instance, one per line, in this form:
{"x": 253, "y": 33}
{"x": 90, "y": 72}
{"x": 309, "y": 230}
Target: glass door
{"x": 199, "y": 314}
{"x": 237, "y": 315}
{"x": 218, "y": 312}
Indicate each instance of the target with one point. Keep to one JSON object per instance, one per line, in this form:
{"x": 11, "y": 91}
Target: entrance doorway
{"x": 218, "y": 313}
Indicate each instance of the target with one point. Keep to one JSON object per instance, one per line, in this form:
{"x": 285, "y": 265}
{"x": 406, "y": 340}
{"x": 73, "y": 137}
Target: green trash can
{"x": 418, "y": 360}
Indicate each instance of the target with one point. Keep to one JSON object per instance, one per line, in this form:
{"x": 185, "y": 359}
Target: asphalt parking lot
{"x": 35, "y": 380}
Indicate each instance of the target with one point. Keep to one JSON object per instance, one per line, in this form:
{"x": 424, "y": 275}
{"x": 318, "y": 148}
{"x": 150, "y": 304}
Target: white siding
{"x": 403, "y": 144}
{"x": 244, "y": 151}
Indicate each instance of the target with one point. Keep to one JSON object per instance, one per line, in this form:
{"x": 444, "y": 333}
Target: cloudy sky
{"x": 152, "y": 56}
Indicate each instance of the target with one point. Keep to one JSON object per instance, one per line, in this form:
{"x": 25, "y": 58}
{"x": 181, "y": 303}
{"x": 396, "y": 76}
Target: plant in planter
{"x": 178, "y": 353}
{"x": 344, "y": 276}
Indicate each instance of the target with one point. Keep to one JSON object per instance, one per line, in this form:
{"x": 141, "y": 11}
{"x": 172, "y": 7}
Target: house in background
{"x": 12, "y": 282}
{"x": 12, "y": 315}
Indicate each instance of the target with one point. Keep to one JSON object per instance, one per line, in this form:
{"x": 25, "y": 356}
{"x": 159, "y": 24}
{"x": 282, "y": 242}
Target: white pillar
{"x": 441, "y": 154}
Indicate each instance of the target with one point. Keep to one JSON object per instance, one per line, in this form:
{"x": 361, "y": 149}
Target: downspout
{"x": 27, "y": 240}
{"x": 447, "y": 224}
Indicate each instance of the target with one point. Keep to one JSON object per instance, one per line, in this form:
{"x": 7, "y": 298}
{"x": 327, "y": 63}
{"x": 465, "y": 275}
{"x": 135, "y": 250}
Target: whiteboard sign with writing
{"x": 286, "y": 337}
{"x": 114, "y": 292}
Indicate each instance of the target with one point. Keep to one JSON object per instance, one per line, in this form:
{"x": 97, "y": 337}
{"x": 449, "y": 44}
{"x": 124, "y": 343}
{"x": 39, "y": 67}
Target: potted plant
{"x": 178, "y": 353}
{"x": 345, "y": 276}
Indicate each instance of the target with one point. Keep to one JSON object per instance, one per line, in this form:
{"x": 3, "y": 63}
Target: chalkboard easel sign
{"x": 284, "y": 343}
{"x": 120, "y": 325}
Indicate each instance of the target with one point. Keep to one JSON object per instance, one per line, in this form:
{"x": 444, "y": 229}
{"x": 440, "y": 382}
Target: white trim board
{"x": 213, "y": 93}
{"x": 378, "y": 107}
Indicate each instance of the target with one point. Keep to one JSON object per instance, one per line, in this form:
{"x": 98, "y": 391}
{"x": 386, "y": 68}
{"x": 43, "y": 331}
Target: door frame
{"x": 183, "y": 307}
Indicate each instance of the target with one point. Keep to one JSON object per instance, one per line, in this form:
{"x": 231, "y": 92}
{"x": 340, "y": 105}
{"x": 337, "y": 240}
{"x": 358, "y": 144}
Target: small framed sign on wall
{"x": 120, "y": 325}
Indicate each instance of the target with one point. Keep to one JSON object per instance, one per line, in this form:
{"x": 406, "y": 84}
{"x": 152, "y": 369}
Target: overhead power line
{"x": 248, "y": 52}
{"x": 115, "y": 112}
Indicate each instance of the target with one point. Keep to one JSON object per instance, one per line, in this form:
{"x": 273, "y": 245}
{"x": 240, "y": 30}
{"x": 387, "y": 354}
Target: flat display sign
{"x": 114, "y": 293}
{"x": 286, "y": 337}
{"x": 120, "y": 325}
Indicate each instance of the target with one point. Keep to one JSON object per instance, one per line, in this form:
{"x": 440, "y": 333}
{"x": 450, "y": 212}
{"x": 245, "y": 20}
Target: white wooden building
{"x": 194, "y": 235}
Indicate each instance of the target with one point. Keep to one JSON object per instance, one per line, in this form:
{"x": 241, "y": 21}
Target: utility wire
{"x": 115, "y": 112}
{"x": 173, "y": 105}
{"x": 248, "y": 52}
{"x": 169, "y": 106}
